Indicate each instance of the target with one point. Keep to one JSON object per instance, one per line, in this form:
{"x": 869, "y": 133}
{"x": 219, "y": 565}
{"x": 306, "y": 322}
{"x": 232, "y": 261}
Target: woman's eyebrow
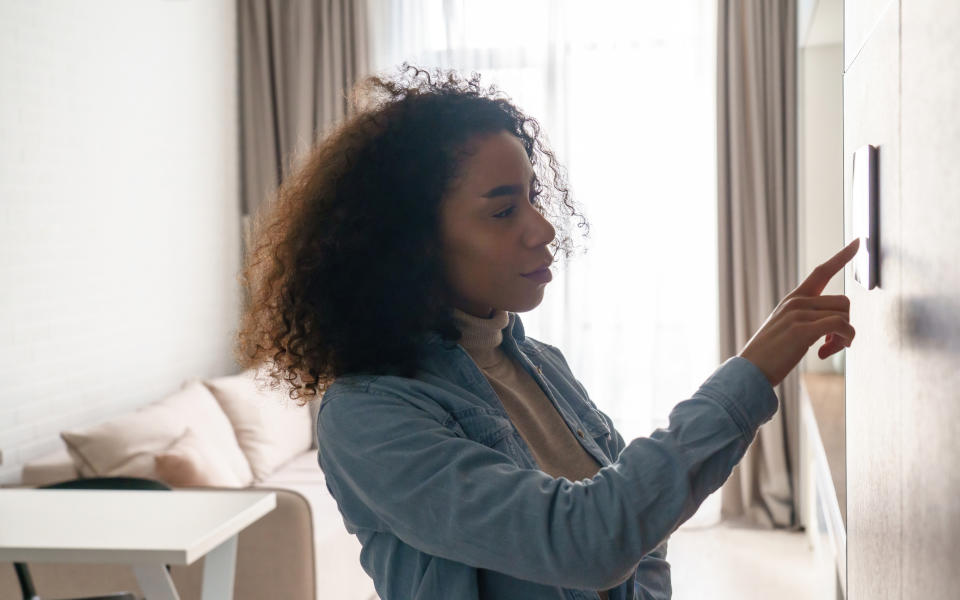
{"x": 504, "y": 190}
{"x": 507, "y": 190}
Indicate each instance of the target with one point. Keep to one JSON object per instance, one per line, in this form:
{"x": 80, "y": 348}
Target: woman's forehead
{"x": 497, "y": 158}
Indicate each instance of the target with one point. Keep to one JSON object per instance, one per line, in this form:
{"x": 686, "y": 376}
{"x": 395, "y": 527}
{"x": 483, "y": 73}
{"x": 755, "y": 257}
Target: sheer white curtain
{"x": 625, "y": 93}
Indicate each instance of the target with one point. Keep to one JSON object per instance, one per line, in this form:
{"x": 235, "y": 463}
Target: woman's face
{"x": 491, "y": 233}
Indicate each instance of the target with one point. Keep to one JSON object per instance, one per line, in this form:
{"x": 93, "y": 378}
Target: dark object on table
{"x": 93, "y": 483}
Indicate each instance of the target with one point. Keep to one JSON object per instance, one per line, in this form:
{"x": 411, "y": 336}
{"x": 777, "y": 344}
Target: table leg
{"x": 155, "y": 582}
{"x": 219, "y": 567}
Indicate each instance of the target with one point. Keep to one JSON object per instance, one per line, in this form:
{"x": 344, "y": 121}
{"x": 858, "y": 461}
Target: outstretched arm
{"x": 394, "y": 463}
{"x": 652, "y": 580}
{"x": 653, "y": 576}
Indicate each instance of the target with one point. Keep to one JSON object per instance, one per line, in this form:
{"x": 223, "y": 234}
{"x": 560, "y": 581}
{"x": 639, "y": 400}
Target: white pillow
{"x": 126, "y": 445}
{"x": 270, "y": 427}
{"x": 193, "y": 461}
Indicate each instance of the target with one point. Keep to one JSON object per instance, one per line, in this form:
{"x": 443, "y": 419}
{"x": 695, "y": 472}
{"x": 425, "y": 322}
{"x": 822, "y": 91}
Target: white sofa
{"x": 299, "y": 550}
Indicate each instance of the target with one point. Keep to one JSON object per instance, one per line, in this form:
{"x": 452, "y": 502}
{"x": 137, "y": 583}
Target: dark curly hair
{"x": 345, "y": 273}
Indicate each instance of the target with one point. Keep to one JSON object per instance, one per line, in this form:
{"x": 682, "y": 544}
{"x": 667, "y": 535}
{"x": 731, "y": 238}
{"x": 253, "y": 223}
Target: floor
{"x": 722, "y": 562}
{"x": 726, "y": 563}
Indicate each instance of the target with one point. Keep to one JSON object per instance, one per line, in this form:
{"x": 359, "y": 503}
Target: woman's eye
{"x": 534, "y": 200}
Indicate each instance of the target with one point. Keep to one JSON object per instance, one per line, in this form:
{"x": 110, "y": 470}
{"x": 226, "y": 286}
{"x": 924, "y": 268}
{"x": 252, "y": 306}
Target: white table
{"x": 144, "y": 529}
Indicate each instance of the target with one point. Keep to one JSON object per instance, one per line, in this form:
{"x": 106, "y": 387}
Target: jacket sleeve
{"x": 412, "y": 473}
{"x": 653, "y": 578}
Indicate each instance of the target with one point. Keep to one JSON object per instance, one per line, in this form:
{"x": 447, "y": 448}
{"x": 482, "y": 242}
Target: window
{"x": 626, "y": 95}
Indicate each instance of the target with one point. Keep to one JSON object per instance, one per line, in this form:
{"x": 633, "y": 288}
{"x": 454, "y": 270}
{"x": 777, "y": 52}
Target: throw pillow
{"x": 193, "y": 461}
{"x": 127, "y": 444}
{"x": 270, "y": 427}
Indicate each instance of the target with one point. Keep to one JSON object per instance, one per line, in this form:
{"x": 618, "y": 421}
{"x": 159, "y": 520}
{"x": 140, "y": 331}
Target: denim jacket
{"x": 447, "y": 501}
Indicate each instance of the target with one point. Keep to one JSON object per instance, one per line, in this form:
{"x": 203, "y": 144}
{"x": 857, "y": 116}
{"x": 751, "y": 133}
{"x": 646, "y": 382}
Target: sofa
{"x": 227, "y": 433}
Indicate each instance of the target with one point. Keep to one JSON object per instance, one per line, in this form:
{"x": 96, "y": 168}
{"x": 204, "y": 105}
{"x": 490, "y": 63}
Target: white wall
{"x": 820, "y": 181}
{"x": 119, "y": 209}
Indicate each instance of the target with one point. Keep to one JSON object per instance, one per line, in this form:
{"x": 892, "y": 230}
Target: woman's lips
{"x": 542, "y": 276}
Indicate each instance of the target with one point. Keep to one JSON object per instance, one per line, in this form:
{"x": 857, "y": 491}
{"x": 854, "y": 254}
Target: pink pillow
{"x": 192, "y": 461}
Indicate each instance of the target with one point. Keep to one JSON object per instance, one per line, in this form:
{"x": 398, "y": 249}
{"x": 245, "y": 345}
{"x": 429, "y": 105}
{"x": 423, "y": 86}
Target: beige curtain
{"x": 298, "y": 59}
{"x": 756, "y": 152}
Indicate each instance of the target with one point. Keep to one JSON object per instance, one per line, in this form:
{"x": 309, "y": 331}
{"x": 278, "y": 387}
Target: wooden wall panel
{"x": 930, "y": 310}
{"x": 871, "y": 114}
{"x": 860, "y": 18}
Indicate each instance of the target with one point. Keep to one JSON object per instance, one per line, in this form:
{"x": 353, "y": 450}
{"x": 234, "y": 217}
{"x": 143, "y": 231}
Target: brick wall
{"x": 119, "y": 209}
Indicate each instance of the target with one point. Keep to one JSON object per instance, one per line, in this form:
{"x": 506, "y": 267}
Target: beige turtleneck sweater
{"x": 554, "y": 446}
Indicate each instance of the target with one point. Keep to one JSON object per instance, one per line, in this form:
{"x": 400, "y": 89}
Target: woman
{"x": 465, "y": 456}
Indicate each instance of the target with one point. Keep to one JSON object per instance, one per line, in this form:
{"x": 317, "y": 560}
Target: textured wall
{"x": 930, "y": 298}
{"x": 901, "y": 91}
{"x": 871, "y": 116}
{"x": 119, "y": 218}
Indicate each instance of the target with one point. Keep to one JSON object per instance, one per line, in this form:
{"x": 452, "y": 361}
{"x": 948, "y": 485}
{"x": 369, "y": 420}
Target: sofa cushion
{"x": 126, "y": 445}
{"x": 303, "y": 468}
{"x": 193, "y": 461}
{"x": 49, "y": 468}
{"x": 336, "y": 552}
{"x": 270, "y": 427}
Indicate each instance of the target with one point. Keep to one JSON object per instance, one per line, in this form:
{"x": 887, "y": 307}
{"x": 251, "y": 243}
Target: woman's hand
{"x": 801, "y": 318}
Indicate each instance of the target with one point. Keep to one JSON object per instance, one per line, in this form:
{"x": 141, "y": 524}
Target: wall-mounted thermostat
{"x": 864, "y": 225}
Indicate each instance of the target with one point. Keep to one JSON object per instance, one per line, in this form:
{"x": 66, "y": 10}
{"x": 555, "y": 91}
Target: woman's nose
{"x": 540, "y": 231}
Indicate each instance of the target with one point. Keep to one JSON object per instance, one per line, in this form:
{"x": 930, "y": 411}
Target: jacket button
{"x": 580, "y": 432}
{"x": 539, "y": 370}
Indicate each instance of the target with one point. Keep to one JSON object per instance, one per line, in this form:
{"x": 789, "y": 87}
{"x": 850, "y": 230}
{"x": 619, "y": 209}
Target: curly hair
{"x": 344, "y": 273}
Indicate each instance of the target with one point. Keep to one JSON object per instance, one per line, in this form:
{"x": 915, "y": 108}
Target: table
{"x": 144, "y": 529}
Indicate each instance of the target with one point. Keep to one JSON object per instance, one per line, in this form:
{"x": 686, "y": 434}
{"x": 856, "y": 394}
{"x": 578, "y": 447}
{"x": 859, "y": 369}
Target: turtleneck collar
{"x": 478, "y": 333}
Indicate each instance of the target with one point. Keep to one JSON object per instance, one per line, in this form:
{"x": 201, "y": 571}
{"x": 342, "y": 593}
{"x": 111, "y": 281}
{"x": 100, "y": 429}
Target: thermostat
{"x": 866, "y": 264}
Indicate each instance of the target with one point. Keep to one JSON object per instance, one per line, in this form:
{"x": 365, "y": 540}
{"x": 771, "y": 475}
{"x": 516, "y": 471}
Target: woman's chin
{"x": 527, "y": 304}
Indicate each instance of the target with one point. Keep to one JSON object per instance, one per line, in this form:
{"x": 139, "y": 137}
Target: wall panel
{"x": 860, "y": 18}
{"x": 871, "y": 115}
{"x": 930, "y": 310}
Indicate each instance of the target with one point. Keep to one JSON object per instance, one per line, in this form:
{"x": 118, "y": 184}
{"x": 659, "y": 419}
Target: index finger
{"x": 819, "y": 278}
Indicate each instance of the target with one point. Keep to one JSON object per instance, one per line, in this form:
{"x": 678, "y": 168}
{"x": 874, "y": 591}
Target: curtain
{"x": 625, "y": 92}
{"x": 757, "y": 218}
{"x": 298, "y": 59}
